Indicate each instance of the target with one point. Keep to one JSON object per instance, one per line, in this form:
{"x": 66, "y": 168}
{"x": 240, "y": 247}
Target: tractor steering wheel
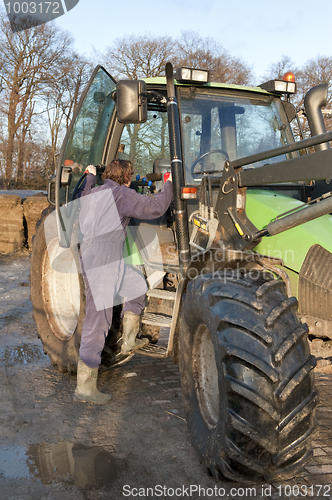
{"x": 203, "y": 156}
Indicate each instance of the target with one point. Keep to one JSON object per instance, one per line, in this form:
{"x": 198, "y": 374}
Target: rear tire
{"x": 247, "y": 380}
{"x": 58, "y": 301}
{"x": 58, "y": 298}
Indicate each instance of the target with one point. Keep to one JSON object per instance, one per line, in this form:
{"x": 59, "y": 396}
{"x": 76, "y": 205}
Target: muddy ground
{"x": 52, "y": 448}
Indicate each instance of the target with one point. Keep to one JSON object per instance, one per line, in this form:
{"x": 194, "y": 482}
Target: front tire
{"x": 247, "y": 380}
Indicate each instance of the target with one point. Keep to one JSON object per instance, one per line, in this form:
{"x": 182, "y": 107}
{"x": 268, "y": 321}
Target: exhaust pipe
{"x": 314, "y": 100}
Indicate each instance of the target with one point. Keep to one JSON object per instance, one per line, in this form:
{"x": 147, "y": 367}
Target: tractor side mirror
{"x": 131, "y": 101}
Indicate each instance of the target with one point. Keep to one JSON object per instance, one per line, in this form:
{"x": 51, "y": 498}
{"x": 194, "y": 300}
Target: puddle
{"x": 13, "y": 462}
{"x": 22, "y": 354}
{"x": 64, "y": 462}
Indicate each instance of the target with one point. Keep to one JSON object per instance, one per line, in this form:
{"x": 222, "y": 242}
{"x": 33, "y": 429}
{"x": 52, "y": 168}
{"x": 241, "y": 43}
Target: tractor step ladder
{"x": 156, "y": 319}
{"x": 161, "y": 294}
{"x": 164, "y": 321}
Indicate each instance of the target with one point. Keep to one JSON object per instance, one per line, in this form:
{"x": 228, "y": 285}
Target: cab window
{"x": 143, "y": 143}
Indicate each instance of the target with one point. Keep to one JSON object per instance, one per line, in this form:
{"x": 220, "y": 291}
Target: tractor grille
{"x": 315, "y": 284}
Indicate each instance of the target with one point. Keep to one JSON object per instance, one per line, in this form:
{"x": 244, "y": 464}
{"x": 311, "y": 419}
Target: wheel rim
{"x": 206, "y": 376}
{"x": 60, "y": 290}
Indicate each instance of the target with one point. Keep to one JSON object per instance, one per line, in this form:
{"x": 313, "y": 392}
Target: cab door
{"x": 84, "y": 144}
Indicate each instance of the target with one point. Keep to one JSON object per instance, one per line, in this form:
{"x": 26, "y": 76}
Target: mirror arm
{"x": 153, "y": 96}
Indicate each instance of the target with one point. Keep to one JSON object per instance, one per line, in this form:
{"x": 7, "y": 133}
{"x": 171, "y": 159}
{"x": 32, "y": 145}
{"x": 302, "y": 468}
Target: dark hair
{"x": 119, "y": 171}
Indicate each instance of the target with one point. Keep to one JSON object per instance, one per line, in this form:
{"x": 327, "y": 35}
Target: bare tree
{"x": 137, "y": 57}
{"x": 314, "y": 72}
{"x": 206, "y": 53}
{"x": 277, "y": 70}
{"x": 27, "y": 59}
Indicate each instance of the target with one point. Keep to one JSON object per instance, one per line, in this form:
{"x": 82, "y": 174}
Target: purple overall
{"x": 105, "y": 214}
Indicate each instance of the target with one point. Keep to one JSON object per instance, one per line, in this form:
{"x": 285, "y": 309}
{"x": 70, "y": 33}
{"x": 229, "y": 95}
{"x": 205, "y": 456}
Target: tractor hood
{"x": 292, "y": 246}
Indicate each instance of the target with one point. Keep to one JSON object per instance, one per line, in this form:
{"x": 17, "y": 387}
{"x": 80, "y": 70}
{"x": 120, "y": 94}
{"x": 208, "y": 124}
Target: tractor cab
{"x": 215, "y": 119}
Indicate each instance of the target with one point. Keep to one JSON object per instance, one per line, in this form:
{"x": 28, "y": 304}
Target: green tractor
{"x": 237, "y": 268}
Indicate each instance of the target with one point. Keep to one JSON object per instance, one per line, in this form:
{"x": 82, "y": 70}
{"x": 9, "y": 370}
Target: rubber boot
{"x": 86, "y": 389}
{"x": 130, "y": 327}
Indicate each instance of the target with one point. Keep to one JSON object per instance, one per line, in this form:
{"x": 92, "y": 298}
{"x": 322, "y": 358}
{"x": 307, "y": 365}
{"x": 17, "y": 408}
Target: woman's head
{"x": 119, "y": 171}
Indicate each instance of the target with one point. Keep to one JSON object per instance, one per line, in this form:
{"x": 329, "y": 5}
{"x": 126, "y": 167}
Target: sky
{"x": 258, "y": 32}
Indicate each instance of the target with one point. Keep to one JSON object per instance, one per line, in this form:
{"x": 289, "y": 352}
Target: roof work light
{"x": 192, "y": 75}
{"x": 285, "y": 86}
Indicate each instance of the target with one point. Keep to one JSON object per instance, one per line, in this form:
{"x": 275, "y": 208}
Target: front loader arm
{"x": 315, "y": 166}
{"x": 237, "y": 230}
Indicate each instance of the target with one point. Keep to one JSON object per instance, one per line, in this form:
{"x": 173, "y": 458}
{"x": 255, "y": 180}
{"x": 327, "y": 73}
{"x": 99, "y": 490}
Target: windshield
{"x": 216, "y": 127}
